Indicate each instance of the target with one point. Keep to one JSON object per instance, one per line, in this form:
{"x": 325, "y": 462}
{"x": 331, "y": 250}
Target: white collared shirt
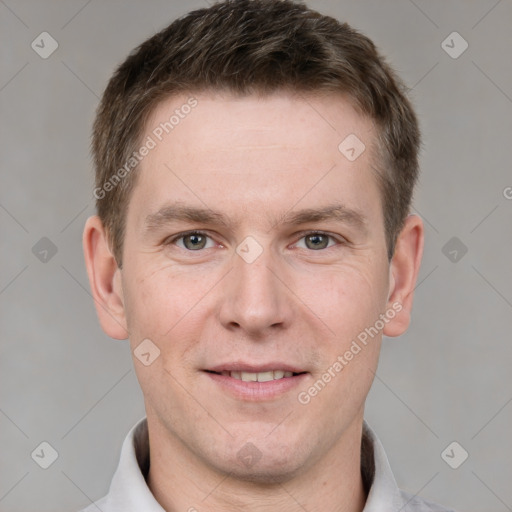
{"x": 130, "y": 493}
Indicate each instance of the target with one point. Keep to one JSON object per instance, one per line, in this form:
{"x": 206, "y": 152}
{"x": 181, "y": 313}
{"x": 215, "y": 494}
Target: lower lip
{"x": 257, "y": 391}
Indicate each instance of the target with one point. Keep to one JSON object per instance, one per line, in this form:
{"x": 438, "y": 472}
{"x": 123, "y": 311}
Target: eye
{"x": 193, "y": 241}
{"x": 316, "y": 241}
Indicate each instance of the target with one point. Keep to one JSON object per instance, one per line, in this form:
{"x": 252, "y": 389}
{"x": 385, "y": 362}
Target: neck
{"x": 180, "y": 480}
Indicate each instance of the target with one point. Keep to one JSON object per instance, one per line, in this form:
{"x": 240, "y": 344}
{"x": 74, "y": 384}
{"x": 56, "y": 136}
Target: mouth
{"x": 264, "y": 376}
{"x": 256, "y": 383}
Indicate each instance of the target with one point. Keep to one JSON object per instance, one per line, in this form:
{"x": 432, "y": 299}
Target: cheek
{"x": 163, "y": 305}
{"x": 158, "y": 298}
{"x": 348, "y": 298}
{"x": 146, "y": 302}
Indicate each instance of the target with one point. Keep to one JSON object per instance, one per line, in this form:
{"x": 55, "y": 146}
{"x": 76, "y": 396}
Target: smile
{"x": 258, "y": 376}
{"x": 256, "y": 386}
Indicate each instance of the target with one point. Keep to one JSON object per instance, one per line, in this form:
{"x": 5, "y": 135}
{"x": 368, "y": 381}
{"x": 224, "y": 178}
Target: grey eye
{"x": 194, "y": 241}
{"x": 316, "y": 241}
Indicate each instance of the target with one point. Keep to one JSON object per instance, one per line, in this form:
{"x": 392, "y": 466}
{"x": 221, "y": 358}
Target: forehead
{"x": 250, "y": 151}
{"x": 237, "y": 121}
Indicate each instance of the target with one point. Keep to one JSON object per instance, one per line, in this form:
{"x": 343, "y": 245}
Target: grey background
{"x": 448, "y": 379}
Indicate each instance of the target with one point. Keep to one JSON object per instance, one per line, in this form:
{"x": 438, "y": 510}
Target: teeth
{"x": 265, "y": 376}
{"x": 258, "y": 377}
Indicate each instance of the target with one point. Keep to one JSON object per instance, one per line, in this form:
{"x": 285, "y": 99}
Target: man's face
{"x": 285, "y": 266}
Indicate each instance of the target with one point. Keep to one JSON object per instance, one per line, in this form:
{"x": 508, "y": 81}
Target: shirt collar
{"x": 384, "y": 494}
{"x": 129, "y": 491}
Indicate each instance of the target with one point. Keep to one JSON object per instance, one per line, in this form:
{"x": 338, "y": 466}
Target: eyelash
{"x": 172, "y": 240}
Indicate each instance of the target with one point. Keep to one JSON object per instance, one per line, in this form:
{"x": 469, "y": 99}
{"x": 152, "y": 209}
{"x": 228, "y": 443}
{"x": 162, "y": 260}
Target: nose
{"x": 255, "y": 298}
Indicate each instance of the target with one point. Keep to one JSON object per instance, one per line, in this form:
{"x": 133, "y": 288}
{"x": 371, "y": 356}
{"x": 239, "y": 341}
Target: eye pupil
{"x": 317, "y": 241}
{"x": 194, "y": 241}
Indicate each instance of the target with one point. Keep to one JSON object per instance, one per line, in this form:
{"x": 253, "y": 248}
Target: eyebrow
{"x": 336, "y": 212}
{"x": 176, "y": 212}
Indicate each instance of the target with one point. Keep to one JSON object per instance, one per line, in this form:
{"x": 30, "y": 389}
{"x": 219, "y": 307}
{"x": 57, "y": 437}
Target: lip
{"x": 256, "y": 391}
{"x": 240, "y": 366}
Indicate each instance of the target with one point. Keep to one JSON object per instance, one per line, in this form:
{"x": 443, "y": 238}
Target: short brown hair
{"x": 248, "y": 47}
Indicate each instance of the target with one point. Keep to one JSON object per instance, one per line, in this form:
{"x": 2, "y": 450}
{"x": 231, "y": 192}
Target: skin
{"x": 255, "y": 160}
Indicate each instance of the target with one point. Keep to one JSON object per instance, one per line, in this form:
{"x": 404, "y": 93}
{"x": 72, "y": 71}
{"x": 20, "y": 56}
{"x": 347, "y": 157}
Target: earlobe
{"x": 404, "y": 269}
{"x": 104, "y": 279}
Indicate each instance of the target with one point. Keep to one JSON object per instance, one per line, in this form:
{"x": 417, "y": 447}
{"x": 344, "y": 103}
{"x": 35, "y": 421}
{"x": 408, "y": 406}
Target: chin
{"x": 264, "y": 476}
{"x": 265, "y": 468}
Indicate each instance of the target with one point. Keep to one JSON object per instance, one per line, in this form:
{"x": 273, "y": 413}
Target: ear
{"x": 104, "y": 279}
{"x": 403, "y": 272}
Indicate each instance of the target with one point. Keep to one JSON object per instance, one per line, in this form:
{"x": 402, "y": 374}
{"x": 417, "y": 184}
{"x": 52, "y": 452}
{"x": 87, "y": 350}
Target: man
{"x": 255, "y": 163}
